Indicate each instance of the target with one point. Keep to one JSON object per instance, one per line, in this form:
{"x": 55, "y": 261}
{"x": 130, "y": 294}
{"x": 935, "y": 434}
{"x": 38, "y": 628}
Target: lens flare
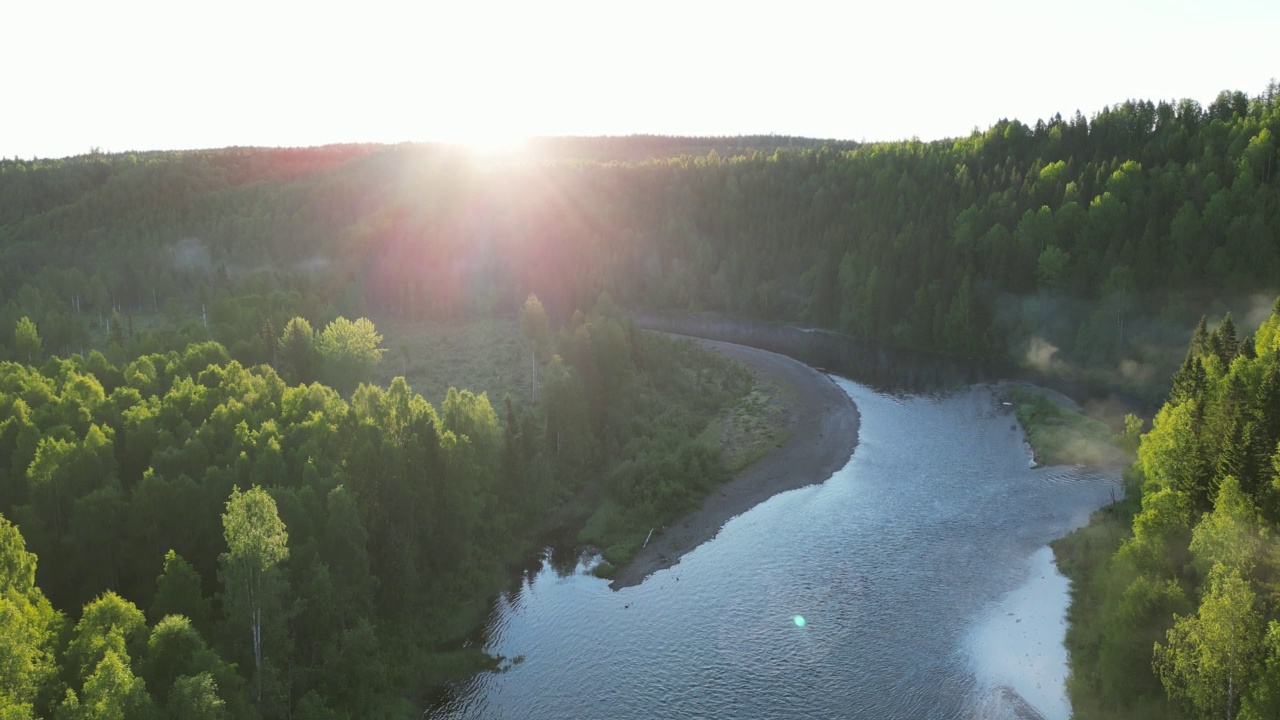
{"x": 799, "y": 620}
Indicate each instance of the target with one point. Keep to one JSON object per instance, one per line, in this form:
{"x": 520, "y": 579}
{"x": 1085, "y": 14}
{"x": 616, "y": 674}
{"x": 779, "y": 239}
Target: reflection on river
{"x": 905, "y": 565}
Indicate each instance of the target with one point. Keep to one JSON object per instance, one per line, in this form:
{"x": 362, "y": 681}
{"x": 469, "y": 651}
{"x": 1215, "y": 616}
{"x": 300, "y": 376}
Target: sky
{"x": 133, "y": 75}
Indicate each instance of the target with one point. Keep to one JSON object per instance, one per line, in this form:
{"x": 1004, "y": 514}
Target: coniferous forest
{"x": 209, "y": 511}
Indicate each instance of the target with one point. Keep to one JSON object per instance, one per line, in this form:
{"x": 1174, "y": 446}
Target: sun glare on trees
{"x": 487, "y": 141}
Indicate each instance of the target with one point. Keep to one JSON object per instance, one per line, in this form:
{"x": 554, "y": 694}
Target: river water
{"x": 920, "y": 569}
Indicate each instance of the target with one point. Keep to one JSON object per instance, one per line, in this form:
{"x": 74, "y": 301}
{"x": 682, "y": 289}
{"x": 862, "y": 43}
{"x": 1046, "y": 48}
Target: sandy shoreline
{"x": 824, "y": 421}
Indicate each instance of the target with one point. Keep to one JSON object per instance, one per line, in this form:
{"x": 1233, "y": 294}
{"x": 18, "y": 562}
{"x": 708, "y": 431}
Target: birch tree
{"x": 536, "y": 329}
{"x": 256, "y": 543}
{"x": 26, "y": 339}
{"x": 1212, "y": 657}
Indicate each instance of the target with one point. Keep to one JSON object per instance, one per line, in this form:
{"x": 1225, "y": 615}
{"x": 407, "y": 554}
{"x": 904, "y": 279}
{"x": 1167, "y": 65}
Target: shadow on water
{"x": 887, "y": 370}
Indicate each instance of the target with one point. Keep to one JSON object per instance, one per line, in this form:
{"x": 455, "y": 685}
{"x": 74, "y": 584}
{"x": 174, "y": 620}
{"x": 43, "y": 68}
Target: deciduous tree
{"x": 257, "y": 542}
{"x": 1211, "y": 657}
{"x": 26, "y": 339}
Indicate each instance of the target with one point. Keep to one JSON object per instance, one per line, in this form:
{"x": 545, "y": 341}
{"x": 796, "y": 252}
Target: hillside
{"x": 1088, "y": 245}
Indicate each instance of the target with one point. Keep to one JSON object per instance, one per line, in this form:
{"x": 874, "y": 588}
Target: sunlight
{"x": 489, "y": 142}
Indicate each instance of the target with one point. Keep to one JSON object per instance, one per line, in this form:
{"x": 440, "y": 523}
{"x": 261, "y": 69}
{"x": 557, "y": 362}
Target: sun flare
{"x": 493, "y": 144}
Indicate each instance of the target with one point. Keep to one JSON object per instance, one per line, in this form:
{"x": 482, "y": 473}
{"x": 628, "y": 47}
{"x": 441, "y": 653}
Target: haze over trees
{"x": 1176, "y": 611}
{"x": 1102, "y": 238}
{"x": 206, "y": 510}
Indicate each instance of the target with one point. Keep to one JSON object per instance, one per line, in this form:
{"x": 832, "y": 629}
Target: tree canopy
{"x": 1184, "y": 581}
{"x": 321, "y": 587}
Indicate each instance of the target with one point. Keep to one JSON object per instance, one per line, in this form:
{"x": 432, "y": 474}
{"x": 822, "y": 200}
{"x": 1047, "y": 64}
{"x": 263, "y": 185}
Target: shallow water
{"x": 1017, "y": 646}
{"x": 904, "y": 565}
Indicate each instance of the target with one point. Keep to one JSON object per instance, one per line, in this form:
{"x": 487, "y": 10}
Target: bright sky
{"x": 140, "y": 74}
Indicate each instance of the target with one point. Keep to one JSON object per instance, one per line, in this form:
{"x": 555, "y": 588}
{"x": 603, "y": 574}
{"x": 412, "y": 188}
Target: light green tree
{"x": 176, "y": 649}
{"x": 1228, "y": 536}
{"x": 1131, "y": 437}
{"x": 27, "y": 628}
{"x": 1211, "y": 657}
{"x": 195, "y": 697}
{"x": 350, "y": 350}
{"x": 111, "y": 631}
{"x": 26, "y": 339}
{"x": 256, "y": 543}
{"x": 1263, "y": 701}
{"x": 109, "y": 624}
{"x": 536, "y": 329}
{"x": 111, "y": 692}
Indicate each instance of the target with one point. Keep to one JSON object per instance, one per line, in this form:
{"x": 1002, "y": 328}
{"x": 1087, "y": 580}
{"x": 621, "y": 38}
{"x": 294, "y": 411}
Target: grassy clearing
{"x": 759, "y": 422}
{"x": 1061, "y": 436}
{"x": 673, "y": 455}
{"x": 490, "y": 356}
{"x": 486, "y": 355}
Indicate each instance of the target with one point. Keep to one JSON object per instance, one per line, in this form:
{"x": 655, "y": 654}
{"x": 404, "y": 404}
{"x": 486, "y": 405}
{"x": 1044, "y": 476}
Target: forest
{"x": 209, "y": 511}
{"x": 1176, "y": 609}
{"x": 186, "y": 536}
{"x": 1084, "y": 245}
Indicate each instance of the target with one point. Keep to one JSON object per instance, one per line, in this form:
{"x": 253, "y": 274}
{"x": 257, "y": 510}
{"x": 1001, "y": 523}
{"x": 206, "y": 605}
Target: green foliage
{"x": 1199, "y": 569}
{"x": 1114, "y": 619}
{"x": 1211, "y": 657}
{"x": 17, "y": 566}
{"x": 349, "y": 351}
{"x": 485, "y": 356}
{"x": 110, "y": 624}
{"x": 1099, "y": 235}
{"x": 29, "y": 628}
{"x": 372, "y": 533}
{"x": 26, "y": 340}
{"x": 1104, "y": 236}
{"x": 1131, "y": 437}
{"x": 256, "y": 543}
{"x": 175, "y": 649}
{"x": 1264, "y": 699}
{"x": 1059, "y": 435}
{"x": 534, "y": 325}
{"x": 299, "y": 358}
{"x": 256, "y": 538}
{"x": 1229, "y": 536}
{"x": 110, "y": 692}
{"x": 196, "y": 697}
{"x": 178, "y": 593}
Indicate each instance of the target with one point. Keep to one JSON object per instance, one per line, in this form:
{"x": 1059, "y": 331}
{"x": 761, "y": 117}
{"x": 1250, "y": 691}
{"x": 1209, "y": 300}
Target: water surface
{"x": 904, "y": 565}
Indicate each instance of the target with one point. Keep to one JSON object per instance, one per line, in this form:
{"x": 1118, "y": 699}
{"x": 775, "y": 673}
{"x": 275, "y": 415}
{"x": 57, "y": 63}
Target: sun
{"x": 485, "y": 131}
{"x": 492, "y": 143}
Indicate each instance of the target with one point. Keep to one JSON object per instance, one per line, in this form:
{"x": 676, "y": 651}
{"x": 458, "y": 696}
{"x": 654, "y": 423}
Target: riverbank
{"x": 822, "y": 432}
{"x": 1061, "y": 432}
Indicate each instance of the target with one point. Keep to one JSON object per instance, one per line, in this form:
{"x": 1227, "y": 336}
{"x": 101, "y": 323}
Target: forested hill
{"x": 1105, "y": 237}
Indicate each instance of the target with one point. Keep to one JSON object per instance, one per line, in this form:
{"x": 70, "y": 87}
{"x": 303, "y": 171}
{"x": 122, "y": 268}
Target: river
{"x": 920, "y": 570}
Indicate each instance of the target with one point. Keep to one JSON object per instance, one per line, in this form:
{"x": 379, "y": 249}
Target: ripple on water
{"x": 899, "y": 564}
